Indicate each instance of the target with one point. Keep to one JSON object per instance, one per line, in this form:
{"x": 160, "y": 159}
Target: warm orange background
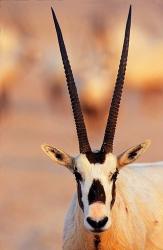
{"x": 35, "y": 107}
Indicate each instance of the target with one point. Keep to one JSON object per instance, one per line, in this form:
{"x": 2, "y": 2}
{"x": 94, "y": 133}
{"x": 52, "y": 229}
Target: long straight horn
{"x": 107, "y": 145}
{"x": 75, "y": 103}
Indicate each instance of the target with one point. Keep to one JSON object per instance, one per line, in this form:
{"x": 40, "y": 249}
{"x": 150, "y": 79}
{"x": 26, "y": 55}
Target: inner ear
{"x": 133, "y": 153}
{"x": 59, "y": 156}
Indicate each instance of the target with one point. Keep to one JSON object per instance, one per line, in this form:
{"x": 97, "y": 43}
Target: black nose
{"x": 97, "y": 224}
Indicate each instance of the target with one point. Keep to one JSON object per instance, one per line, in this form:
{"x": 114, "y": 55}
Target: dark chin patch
{"x": 96, "y": 157}
{"x": 96, "y": 193}
{"x": 97, "y": 242}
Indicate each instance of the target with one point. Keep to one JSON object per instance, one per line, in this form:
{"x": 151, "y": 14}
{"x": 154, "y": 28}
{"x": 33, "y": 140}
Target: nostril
{"x": 97, "y": 224}
{"x": 93, "y": 223}
{"x": 103, "y": 222}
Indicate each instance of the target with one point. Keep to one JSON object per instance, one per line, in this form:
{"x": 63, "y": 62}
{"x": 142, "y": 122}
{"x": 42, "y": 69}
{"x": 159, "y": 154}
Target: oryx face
{"x": 96, "y": 190}
{"x": 95, "y": 172}
{"x": 96, "y": 176}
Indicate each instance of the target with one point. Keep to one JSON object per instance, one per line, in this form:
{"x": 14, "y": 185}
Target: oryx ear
{"x": 132, "y": 154}
{"x": 59, "y": 156}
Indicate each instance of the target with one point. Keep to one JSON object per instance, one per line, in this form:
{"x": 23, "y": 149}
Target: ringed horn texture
{"x": 84, "y": 145}
{"x": 75, "y": 103}
{"x": 107, "y": 145}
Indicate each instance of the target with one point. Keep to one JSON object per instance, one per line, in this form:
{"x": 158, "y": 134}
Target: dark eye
{"x": 78, "y": 176}
{"x": 114, "y": 176}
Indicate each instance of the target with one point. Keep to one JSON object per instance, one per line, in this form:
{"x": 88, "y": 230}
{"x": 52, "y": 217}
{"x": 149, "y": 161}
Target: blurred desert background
{"x": 35, "y": 106}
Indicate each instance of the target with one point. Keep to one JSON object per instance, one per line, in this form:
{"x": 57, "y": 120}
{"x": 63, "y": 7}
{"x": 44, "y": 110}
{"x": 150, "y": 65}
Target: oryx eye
{"x": 78, "y": 176}
{"x": 114, "y": 176}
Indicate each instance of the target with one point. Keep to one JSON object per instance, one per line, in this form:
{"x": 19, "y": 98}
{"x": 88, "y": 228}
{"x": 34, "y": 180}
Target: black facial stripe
{"x": 78, "y": 176}
{"x": 113, "y": 194}
{"x": 96, "y": 157}
{"x": 96, "y": 192}
{"x": 114, "y": 178}
{"x": 80, "y": 195}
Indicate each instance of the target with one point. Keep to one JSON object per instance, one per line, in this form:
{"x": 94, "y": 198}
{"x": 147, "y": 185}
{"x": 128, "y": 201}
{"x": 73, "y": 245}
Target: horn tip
{"x": 129, "y": 17}
{"x": 52, "y": 10}
{"x": 54, "y": 18}
{"x": 53, "y": 13}
{"x": 130, "y": 11}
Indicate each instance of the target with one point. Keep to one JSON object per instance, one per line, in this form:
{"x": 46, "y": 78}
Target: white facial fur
{"x": 102, "y": 172}
{"x": 96, "y": 206}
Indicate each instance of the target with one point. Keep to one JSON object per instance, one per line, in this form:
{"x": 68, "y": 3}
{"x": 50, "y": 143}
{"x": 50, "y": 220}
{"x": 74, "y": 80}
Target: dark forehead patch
{"x": 96, "y": 157}
{"x": 96, "y": 192}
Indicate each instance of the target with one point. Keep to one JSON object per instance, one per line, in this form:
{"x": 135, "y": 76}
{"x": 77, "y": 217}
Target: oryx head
{"x": 95, "y": 171}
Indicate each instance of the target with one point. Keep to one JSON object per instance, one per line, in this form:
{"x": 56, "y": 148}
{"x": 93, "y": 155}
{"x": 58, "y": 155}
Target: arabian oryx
{"x": 116, "y": 207}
